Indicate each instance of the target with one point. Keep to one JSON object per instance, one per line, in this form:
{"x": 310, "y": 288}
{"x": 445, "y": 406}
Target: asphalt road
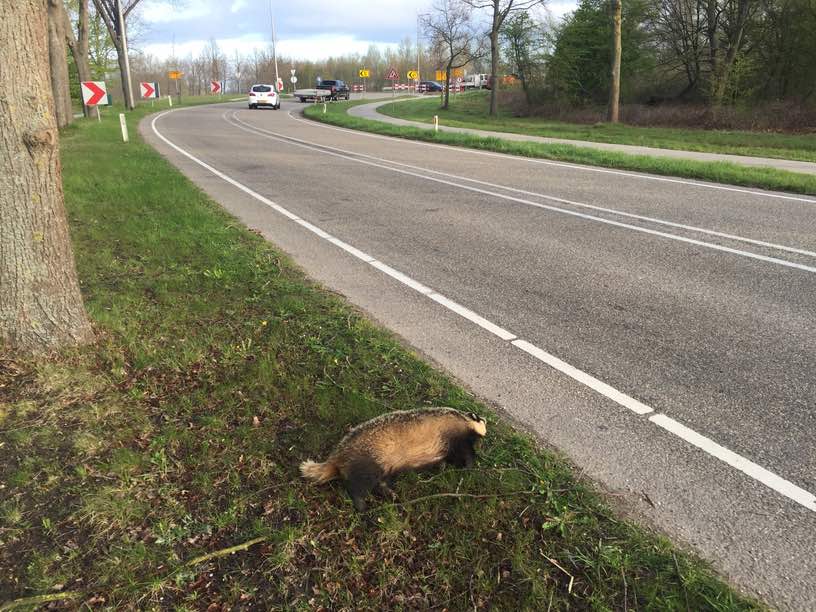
{"x": 660, "y": 333}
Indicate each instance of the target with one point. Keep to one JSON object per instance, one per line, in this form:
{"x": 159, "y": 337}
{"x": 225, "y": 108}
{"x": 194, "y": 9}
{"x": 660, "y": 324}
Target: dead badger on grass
{"x": 377, "y": 450}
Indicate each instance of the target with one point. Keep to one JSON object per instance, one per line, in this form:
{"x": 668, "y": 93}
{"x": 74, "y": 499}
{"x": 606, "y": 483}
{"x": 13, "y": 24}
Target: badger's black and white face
{"x": 478, "y": 424}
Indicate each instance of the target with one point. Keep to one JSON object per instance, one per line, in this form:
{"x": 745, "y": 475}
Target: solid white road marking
{"x": 353, "y": 157}
{"x": 544, "y": 162}
{"x": 584, "y": 378}
{"x": 754, "y": 471}
{"x": 759, "y": 473}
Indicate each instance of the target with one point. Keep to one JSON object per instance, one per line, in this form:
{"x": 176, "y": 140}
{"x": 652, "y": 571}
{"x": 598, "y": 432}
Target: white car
{"x": 263, "y": 95}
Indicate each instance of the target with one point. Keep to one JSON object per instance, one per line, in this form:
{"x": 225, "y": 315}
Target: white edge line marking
{"x": 350, "y": 249}
{"x": 405, "y": 280}
{"x": 533, "y": 160}
{"x": 472, "y": 316}
{"x": 758, "y": 473}
{"x": 583, "y": 378}
{"x": 769, "y": 479}
{"x": 708, "y": 245}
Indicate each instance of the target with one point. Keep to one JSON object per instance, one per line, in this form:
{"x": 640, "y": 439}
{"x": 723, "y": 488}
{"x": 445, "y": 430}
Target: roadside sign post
{"x": 175, "y": 75}
{"x": 436, "y": 123}
{"x": 123, "y": 125}
{"x": 94, "y": 93}
{"x": 393, "y": 77}
{"x": 364, "y": 73}
{"x": 217, "y": 87}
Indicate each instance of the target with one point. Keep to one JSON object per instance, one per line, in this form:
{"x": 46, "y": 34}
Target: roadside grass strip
{"x": 470, "y": 110}
{"x": 157, "y": 468}
{"x": 716, "y": 172}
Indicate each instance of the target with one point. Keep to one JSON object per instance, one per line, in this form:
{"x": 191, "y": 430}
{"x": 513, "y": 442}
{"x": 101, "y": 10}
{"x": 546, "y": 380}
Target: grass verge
{"x": 157, "y": 468}
{"x": 471, "y": 110}
{"x": 717, "y": 172}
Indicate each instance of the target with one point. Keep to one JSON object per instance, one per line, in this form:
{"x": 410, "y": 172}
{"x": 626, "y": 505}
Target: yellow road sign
{"x": 413, "y": 75}
{"x": 175, "y": 74}
{"x": 441, "y": 75}
{"x": 364, "y": 73}
{"x": 458, "y": 72}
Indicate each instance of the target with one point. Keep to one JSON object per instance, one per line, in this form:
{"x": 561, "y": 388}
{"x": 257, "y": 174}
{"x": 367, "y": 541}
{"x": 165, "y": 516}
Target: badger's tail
{"x": 320, "y": 473}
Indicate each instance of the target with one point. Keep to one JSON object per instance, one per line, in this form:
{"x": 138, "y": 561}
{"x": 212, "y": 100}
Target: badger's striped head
{"x": 477, "y": 424}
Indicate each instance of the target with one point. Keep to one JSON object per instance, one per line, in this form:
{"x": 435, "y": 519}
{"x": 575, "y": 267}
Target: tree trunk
{"x": 712, "y": 25}
{"x": 613, "y": 114}
{"x": 40, "y": 303}
{"x": 58, "y": 61}
{"x": 494, "y": 71}
{"x": 79, "y": 44}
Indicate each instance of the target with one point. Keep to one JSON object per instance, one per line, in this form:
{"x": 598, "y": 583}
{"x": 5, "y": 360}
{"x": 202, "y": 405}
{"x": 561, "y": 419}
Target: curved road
{"x": 659, "y": 332}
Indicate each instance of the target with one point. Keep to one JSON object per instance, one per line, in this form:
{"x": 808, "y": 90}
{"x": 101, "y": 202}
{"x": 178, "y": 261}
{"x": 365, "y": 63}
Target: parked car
{"x": 262, "y": 94}
{"x": 431, "y": 86}
{"x": 338, "y": 89}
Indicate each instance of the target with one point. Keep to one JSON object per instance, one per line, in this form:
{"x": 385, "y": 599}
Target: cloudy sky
{"x": 306, "y": 29}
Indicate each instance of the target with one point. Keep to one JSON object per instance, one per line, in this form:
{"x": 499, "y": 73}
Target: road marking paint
{"x": 405, "y": 280}
{"x": 583, "y": 378}
{"x": 752, "y": 470}
{"x": 758, "y": 473}
{"x": 709, "y": 245}
{"x": 471, "y": 316}
{"x": 350, "y": 249}
{"x": 544, "y": 162}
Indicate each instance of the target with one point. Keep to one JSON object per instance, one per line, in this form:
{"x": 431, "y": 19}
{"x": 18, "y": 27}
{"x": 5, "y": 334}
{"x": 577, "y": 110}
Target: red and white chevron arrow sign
{"x": 94, "y": 93}
{"x": 149, "y": 90}
{"x": 215, "y": 86}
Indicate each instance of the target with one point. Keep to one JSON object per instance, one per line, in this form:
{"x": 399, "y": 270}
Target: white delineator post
{"x": 123, "y": 125}
{"x": 170, "y": 100}
{"x": 436, "y": 123}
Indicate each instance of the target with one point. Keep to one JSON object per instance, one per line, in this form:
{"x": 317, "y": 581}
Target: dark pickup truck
{"x": 338, "y": 89}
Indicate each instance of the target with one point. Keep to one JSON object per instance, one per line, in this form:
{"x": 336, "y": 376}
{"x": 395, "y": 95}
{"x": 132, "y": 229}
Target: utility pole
{"x": 120, "y": 21}
{"x": 274, "y": 44}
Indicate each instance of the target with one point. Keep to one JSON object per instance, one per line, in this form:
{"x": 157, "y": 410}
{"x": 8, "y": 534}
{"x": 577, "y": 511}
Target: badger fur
{"x": 375, "y": 451}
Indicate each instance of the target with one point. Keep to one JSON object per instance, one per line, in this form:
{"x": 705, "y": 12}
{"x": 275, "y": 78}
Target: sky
{"x": 306, "y": 29}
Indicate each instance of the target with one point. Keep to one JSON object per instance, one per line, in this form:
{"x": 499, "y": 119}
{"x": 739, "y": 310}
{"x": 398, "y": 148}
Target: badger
{"x": 372, "y": 453}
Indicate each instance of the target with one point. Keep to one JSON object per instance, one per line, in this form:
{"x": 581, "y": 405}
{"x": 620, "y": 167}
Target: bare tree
{"x": 115, "y": 14}
{"x": 499, "y": 10}
{"x": 613, "y": 111}
{"x": 453, "y": 37}
{"x": 40, "y": 303}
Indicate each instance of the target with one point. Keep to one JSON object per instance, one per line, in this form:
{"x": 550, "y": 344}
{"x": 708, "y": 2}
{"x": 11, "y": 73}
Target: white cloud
{"x": 165, "y": 12}
{"x": 313, "y": 48}
{"x": 237, "y": 5}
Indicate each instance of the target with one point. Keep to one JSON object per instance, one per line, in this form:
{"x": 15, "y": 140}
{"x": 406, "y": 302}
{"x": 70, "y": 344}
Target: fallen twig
{"x": 571, "y": 577}
{"x": 226, "y": 551}
{"x": 468, "y": 495}
{"x": 39, "y": 599}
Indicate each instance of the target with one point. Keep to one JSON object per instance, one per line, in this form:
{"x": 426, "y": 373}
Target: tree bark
{"x": 494, "y": 71}
{"x": 40, "y": 304}
{"x": 79, "y": 44}
{"x": 58, "y": 61}
{"x": 613, "y": 114}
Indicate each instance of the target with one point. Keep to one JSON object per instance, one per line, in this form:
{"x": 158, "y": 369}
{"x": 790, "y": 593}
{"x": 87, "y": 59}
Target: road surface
{"x": 661, "y": 333}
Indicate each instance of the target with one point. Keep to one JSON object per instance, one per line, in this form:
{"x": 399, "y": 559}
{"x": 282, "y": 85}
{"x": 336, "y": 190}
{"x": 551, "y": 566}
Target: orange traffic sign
{"x": 175, "y": 75}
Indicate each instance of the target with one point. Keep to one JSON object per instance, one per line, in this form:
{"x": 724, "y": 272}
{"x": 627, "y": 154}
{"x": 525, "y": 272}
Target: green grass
{"x": 130, "y": 469}
{"x": 471, "y": 111}
{"x": 717, "y": 172}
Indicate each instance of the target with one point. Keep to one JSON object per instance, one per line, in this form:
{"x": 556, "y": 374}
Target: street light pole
{"x": 274, "y": 44}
